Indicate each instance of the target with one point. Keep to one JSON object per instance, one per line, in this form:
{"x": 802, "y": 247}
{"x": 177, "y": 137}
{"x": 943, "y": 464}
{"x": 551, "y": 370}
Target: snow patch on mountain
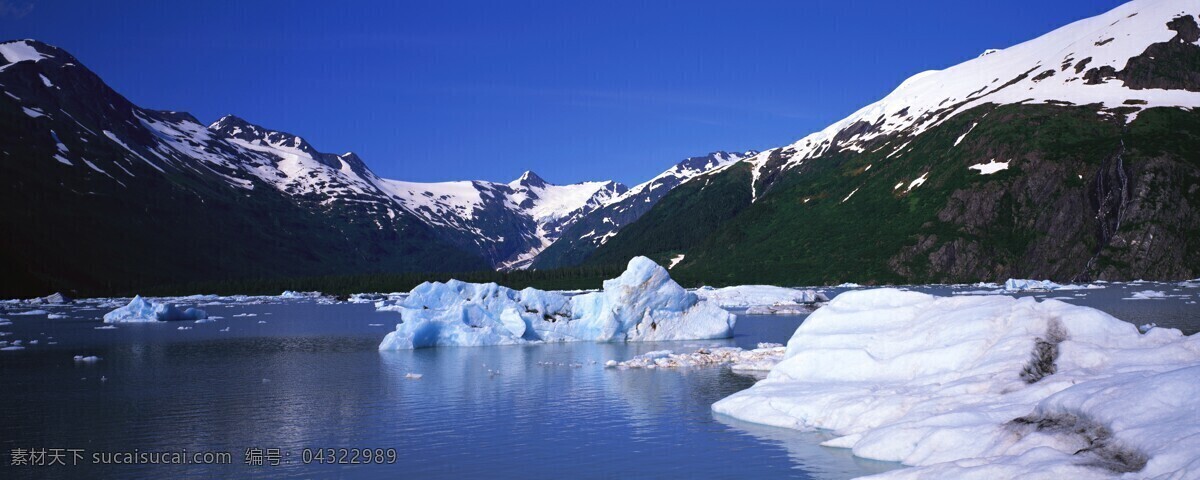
{"x": 19, "y": 51}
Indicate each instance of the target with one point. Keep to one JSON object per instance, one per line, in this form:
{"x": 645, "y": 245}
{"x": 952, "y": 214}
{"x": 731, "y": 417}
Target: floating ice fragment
{"x": 142, "y": 310}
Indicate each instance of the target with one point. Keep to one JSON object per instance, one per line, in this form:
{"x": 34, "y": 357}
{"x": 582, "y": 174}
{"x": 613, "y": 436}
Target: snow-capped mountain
{"x": 594, "y": 228}
{"x": 103, "y": 194}
{"x": 511, "y": 222}
{"x": 1069, "y": 156}
{"x": 1108, "y": 61}
{"x": 507, "y": 223}
{"x": 269, "y": 201}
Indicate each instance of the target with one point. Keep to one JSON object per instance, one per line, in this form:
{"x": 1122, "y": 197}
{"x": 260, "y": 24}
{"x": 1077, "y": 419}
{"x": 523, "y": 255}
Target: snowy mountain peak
{"x": 236, "y": 127}
{"x": 529, "y": 180}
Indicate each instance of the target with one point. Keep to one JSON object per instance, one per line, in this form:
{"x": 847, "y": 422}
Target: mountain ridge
{"x": 78, "y": 140}
{"x": 1057, "y": 121}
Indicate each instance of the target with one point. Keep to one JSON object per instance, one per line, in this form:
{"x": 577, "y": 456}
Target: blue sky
{"x": 445, "y": 90}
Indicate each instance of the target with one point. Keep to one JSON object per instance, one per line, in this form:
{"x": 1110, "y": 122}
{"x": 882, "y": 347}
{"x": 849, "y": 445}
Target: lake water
{"x": 310, "y": 377}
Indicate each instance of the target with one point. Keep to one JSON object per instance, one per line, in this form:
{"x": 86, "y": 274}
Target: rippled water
{"x": 310, "y": 377}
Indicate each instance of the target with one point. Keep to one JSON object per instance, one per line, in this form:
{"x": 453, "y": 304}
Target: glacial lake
{"x": 299, "y": 375}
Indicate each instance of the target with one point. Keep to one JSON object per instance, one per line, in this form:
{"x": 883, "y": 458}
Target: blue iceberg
{"x": 142, "y": 310}
{"x": 643, "y": 304}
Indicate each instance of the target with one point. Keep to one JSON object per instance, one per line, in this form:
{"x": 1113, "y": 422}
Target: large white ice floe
{"x": 743, "y": 296}
{"x": 142, "y": 310}
{"x": 987, "y": 387}
{"x": 1023, "y": 285}
{"x": 643, "y": 304}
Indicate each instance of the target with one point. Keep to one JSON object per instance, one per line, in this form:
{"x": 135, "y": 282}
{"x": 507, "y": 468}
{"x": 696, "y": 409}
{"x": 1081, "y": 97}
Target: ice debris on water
{"x": 758, "y": 359}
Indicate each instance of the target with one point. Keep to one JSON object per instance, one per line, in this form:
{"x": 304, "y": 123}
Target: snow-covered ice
{"x": 142, "y": 310}
{"x": 743, "y": 296}
{"x": 987, "y": 387}
{"x": 1148, "y": 295}
{"x": 642, "y": 304}
{"x": 1023, "y": 285}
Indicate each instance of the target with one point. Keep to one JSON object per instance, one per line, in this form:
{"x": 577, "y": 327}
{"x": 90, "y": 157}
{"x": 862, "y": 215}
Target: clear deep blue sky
{"x": 574, "y": 90}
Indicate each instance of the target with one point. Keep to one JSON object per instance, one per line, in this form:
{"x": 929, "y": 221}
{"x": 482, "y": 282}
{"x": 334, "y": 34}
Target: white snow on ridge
{"x": 990, "y": 167}
{"x": 433, "y": 201}
{"x": 681, "y": 172}
{"x": 964, "y": 135}
{"x": 918, "y": 182}
{"x": 1109, "y": 39}
{"x": 19, "y": 51}
{"x": 987, "y": 387}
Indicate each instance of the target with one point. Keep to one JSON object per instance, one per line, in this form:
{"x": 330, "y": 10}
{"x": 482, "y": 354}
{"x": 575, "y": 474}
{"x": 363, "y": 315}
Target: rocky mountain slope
{"x": 1072, "y": 156}
{"x": 595, "y": 228}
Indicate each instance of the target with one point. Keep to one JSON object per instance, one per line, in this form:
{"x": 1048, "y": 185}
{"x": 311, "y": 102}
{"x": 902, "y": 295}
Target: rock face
{"x": 1027, "y": 162}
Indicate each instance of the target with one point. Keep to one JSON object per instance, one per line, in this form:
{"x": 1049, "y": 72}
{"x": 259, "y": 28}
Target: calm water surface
{"x": 310, "y": 377}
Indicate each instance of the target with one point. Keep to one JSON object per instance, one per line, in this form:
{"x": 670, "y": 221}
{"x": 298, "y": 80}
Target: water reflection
{"x": 312, "y": 378}
{"x": 805, "y": 450}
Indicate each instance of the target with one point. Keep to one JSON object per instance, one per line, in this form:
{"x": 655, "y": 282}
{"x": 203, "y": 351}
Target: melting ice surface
{"x": 987, "y": 387}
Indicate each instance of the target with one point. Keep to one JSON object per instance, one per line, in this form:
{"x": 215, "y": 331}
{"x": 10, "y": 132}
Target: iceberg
{"x": 743, "y": 296}
{"x": 642, "y": 304}
{"x": 142, "y": 310}
{"x": 1022, "y": 285}
{"x": 1148, "y": 295}
{"x": 986, "y": 387}
{"x": 56, "y": 298}
{"x": 295, "y": 294}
